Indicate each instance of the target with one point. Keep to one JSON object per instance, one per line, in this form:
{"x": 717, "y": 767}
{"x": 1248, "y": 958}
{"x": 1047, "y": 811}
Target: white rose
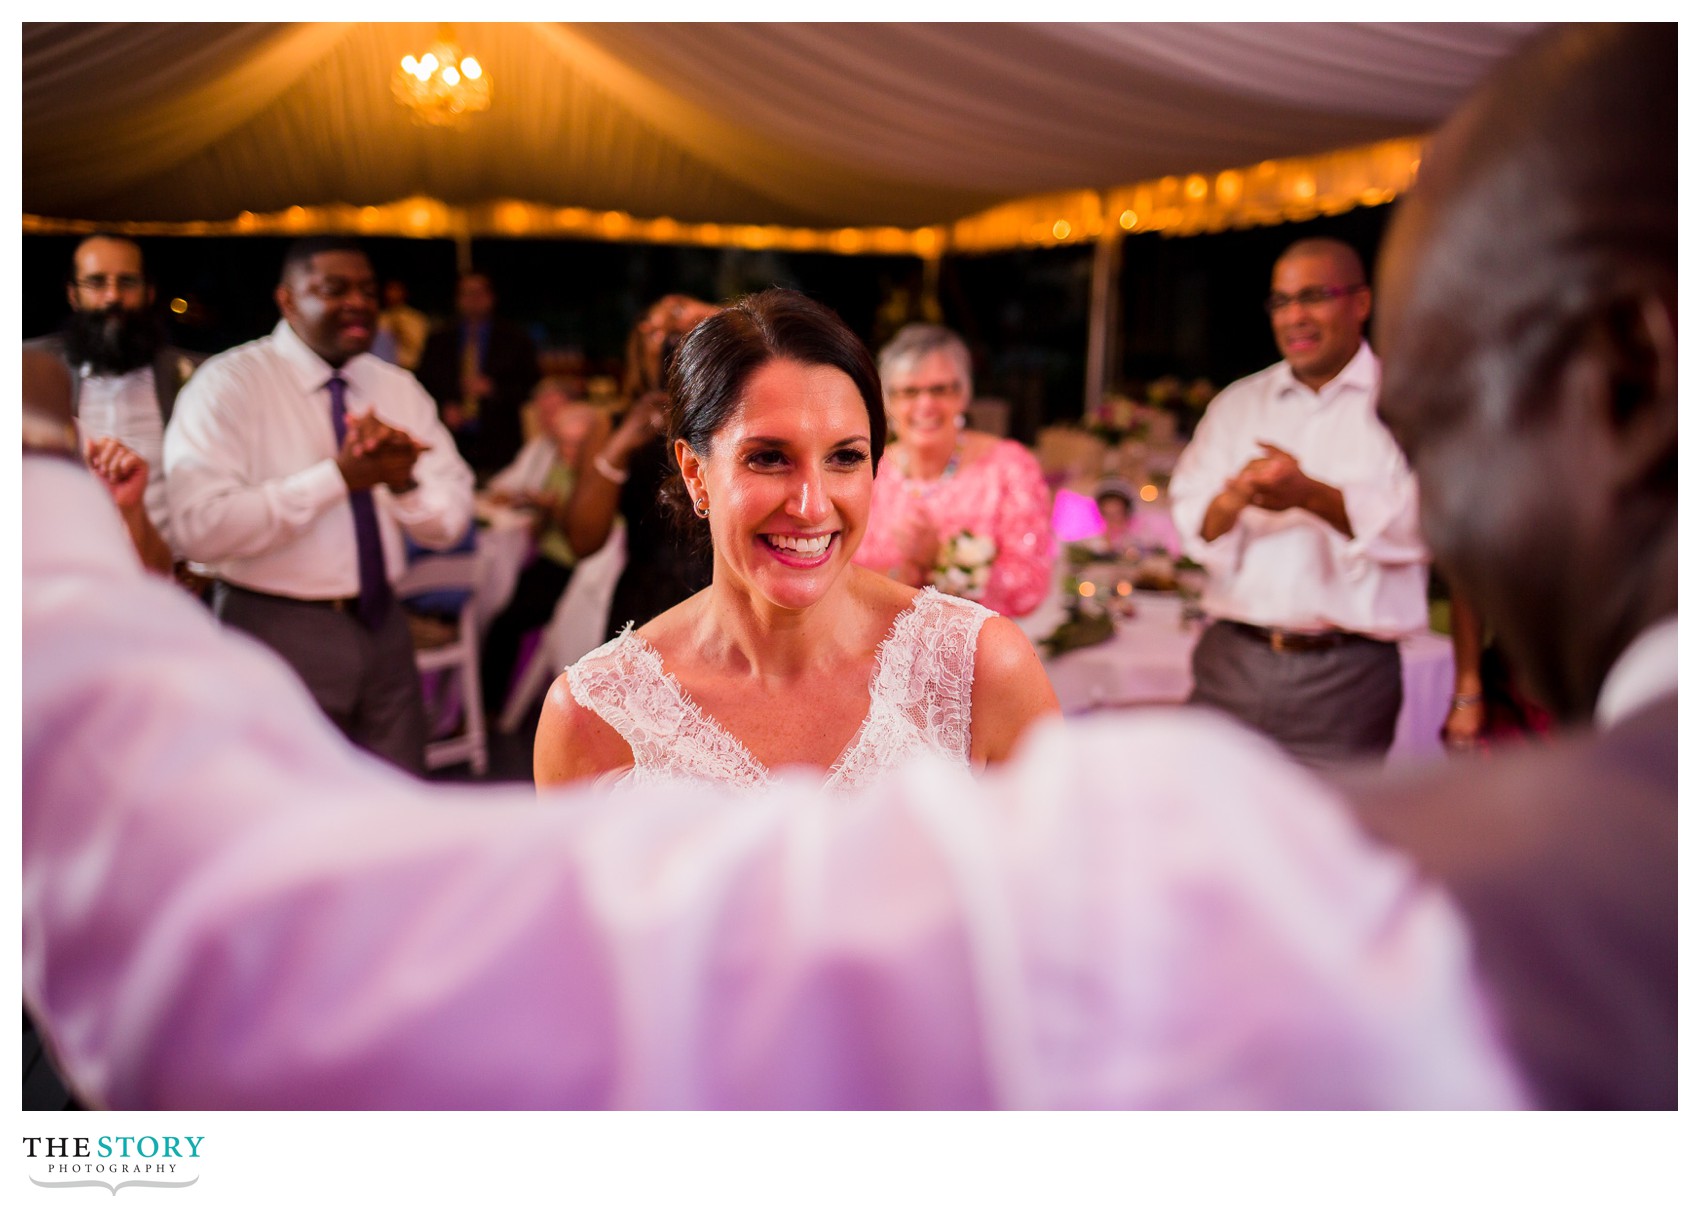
{"x": 975, "y": 550}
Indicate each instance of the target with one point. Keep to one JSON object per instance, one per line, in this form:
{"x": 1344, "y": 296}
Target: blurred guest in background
{"x": 296, "y": 462}
{"x": 125, "y": 377}
{"x": 1296, "y": 501}
{"x": 407, "y": 328}
{"x": 480, "y": 369}
{"x": 664, "y": 566}
{"x": 1488, "y": 706}
{"x": 941, "y": 480}
{"x": 540, "y": 480}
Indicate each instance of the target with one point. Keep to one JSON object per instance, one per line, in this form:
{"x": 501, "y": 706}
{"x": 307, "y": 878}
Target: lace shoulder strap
{"x": 926, "y": 668}
{"x": 624, "y": 683}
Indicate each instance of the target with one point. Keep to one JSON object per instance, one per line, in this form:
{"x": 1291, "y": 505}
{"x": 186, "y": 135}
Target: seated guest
{"x": 664, "y": 565}
{"x": 940, "y": 480}
{"x": 1115, "y": 500}
{"x": 539, "y": 480}
{"x": 281, "y": 925}
{"x": 480, "y": 369}
{"x": 793, "y": 655}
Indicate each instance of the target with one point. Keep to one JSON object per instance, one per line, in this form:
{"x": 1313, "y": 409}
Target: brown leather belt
{"x": 1300, "y": 641}
{"x": 340, "y": 605}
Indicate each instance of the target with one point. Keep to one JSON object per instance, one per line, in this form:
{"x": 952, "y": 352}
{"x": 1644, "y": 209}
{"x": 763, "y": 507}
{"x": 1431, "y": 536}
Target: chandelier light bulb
{"x": 440, "y": 87}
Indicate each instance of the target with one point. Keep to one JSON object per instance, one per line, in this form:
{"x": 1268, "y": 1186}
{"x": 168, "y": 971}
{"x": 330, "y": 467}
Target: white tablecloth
{"x": 504, "y": 545}
{"x": 1149, "y": 661}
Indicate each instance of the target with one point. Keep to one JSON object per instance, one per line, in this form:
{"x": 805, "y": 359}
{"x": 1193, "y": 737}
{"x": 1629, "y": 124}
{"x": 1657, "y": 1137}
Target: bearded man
{"x": 124, "y": 375}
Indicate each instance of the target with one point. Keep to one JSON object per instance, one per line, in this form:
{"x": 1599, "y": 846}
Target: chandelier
{"x": 442, "y": 87}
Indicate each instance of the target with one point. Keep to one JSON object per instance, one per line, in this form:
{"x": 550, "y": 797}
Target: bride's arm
{"x": 573, "y": 742}
{"x": 1011, "y": 691}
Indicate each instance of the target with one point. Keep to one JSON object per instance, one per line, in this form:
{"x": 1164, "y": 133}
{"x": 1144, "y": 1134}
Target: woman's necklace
{"x": 922, "y": 489}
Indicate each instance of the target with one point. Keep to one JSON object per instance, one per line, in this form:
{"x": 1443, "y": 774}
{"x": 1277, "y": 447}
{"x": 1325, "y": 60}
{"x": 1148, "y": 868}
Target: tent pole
{"x": 1101, "y": 328}
{"x": 930, "y": 284}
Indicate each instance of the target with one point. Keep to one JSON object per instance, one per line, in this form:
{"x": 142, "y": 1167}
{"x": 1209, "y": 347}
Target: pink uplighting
{"x": 1075, "y": 517}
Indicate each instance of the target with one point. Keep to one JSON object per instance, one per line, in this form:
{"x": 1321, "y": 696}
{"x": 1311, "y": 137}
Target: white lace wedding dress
{"x": 920, "y": 701}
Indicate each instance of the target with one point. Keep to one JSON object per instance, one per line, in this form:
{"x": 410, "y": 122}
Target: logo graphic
{"x": 115, "y": 1187}
{"x": 114, "y": 1162}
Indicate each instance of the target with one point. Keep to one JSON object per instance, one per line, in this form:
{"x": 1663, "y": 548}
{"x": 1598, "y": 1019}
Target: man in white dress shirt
{"x": 224, "y": 906}
{"x": 1300, "y": 507}
{"x": 296, "y": 462}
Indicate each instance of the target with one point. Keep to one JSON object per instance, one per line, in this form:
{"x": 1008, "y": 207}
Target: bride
{"x": 793, "y": 655}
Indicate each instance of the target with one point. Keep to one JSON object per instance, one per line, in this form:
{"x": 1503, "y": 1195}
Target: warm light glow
{"x": 439, "y": 93}
{"x": 1129, "y": 220}
{"x": 1060, "y": 229}
{"x": 1196, "y": 187}
{"x": 1124, "y": 588}
{"x": 179, "y": 306}
{"x": 1087, "y": 589}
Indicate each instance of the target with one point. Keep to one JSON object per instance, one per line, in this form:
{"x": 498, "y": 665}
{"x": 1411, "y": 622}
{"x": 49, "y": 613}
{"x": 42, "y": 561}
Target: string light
{"x": 1275, "y": 191}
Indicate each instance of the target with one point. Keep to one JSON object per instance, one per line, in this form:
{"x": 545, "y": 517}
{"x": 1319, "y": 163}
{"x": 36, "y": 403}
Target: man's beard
{"x": 112, "y": 341}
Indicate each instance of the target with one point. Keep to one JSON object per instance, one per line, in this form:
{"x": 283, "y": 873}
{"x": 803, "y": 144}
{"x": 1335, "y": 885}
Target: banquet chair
{"x": 444, "y": 648}
{"x": 576, "y": 627}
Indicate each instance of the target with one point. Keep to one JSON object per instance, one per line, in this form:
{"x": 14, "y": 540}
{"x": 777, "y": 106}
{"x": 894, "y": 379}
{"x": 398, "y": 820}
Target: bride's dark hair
{"x": 718, "y": 357}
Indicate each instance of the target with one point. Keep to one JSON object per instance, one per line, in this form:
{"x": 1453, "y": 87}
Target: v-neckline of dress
{"x": 759, "y": 772}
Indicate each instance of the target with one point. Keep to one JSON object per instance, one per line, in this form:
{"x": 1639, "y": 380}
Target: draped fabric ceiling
{"x": 817, "y": 126}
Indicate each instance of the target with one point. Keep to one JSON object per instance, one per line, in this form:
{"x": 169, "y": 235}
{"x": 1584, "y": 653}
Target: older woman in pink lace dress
{"x": 940, "y": 479}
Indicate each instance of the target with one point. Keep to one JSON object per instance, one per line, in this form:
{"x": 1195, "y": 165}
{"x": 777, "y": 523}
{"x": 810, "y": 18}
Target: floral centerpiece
{"x": 964, "y": 564}
{"x": 1117, "y": 419}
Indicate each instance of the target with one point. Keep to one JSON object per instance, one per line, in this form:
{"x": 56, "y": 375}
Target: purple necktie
{"x": 375, "y": 596}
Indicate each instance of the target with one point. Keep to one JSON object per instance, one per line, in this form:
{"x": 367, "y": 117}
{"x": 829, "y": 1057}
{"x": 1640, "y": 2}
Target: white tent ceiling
{"x": 810, "y": 125}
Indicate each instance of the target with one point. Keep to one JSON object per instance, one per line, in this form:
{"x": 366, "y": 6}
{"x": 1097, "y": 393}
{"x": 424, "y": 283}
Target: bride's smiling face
{"x": 787, "y": 482}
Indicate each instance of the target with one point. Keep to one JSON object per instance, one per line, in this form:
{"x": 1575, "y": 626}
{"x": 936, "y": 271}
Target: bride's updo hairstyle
{"x": 708, "y": 374}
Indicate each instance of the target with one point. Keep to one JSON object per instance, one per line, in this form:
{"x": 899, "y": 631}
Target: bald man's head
{"x": 1527, "y": 326}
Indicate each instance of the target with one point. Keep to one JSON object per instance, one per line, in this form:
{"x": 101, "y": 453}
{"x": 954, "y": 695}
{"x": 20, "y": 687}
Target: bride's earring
{"x": 702, "y": 507}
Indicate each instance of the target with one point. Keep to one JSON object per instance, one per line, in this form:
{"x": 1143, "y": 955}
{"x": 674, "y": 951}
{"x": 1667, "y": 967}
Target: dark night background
{"x": 1190, "y": 306}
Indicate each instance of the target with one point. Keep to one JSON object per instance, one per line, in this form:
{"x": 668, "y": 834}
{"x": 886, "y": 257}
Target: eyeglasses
{"x": 334, "y": 290}
{"x": 1310, "y": 296}
{"x": 120, "y": 282}
{"x": 943, "y": 391}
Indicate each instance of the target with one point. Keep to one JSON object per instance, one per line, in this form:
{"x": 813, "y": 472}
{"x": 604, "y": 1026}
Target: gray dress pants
{"x": 1327, "y": 707}
{"x": 365, "y": 680}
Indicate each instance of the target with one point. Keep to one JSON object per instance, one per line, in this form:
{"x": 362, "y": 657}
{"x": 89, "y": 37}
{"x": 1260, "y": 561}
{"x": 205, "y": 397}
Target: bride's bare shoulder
{"x": 573, "y": 742}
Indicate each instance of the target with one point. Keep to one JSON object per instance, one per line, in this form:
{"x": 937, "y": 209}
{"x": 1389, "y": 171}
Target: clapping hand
{"x": 121, "y": 469}
{"x": 1274, "y": 480}
{"x": 917, "y": 537}
{"x": 377, "y": 453}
